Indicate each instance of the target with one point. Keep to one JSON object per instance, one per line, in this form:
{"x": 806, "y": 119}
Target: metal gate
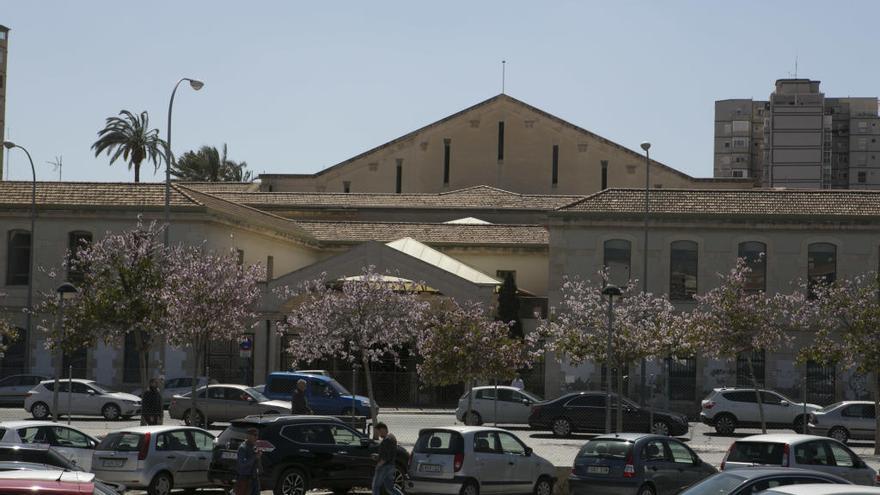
{"x": 743, "y": 376}
{"x": 821, "y": 383}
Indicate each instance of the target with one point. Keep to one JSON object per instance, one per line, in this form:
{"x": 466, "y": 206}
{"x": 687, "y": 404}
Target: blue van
{"x": 325, "y": 395}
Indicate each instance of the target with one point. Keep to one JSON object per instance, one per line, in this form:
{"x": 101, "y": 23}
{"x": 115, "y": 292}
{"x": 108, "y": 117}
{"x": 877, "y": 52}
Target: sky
{"x": 294, "y": 87}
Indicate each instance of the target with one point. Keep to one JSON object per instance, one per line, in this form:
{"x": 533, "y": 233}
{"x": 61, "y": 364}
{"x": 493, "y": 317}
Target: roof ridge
{"x": 442, "y": 224}
{"x": 187, "y": 196}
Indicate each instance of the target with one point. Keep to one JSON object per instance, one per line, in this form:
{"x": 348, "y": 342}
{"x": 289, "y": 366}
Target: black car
{"x": 37, "y": 454}
{"x": 301, "y": 453}
{"x": 585, "y": 411}
{"x": 747, "y": 481}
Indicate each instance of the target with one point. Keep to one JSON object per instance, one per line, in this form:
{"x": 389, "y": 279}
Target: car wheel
{"x": 160, "y": 485}
{"x": 543, "y": 487}
{"x": 661, "y": 428}
{"x": 469, "y": 488}
{"x": 798, "y": 425}
{"x": 111, "y": 412}
{"x": 561, "y": 427}
{"x": 725, "y": 424}
{"x": 646, "y": 490}
{"x": 473, "y": 419}
{"x": 292, "y": 482}
{"x": 40, "y": 410}
{"x": 193, "y": 418}
{"x": 839, "y": 433}
{"x": 399, "y": 479}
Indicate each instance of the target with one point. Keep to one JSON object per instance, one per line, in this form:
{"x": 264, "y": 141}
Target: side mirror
{"x": 784, "y": 403}
{"x": 91, "y": 392}
{"x": 526, "y": 402}
{"x": 366, "y": 442}
{"x": 529, "y": 451}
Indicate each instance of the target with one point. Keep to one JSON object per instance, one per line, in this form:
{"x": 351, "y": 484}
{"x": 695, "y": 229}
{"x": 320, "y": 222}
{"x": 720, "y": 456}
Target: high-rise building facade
{"x": 4, "y": 43}
{"x": 799, "y": 138}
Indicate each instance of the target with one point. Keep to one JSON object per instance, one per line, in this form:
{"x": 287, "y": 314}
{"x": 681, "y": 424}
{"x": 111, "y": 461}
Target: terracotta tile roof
{"x": 251, "y": 216}
{"x": 477, "y": 197}
{"x": 93, "y": 194}
{"x": 211, "y": 187}
{"x": 732, "y": 202}
{"x": 428, "y": 233}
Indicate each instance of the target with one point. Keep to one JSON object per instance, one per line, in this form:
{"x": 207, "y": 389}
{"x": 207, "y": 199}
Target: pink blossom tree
{"x": 207, "y": 297}
{"x": 464, "y": 344}
{"x": 730, "y": 320}
{"x": 8, "y": 333}
{"x": 360, "y": 320}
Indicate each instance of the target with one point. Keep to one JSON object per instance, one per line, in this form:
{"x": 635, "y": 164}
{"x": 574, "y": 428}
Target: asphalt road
{"x": 406, "y": 426}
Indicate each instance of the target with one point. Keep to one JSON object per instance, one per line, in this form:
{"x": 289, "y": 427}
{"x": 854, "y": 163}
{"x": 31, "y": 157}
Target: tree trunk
{"x": 876, "y": 416}
{"x": 619, "y": 398}
{"x": 467, "y": 414}
{"x": 757, "y": 395}
{"x": 137, "y": 172}
{"x": 143, "y": 357}
{"x": 193, "y": 406}
{"x": 368, "y": 374}
{"x": 59, "y": 369}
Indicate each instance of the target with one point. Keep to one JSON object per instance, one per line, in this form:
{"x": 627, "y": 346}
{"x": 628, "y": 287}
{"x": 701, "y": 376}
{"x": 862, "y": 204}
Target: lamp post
{"x": 610, "y": 291}
{"x": 196, "y": 85}
{"x": 643, "y": 365}
{"x": 30, "y": 292}
{"x": 65, "y": 291}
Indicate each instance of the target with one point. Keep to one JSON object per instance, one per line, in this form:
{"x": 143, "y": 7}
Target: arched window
{"x": 755, "y": 255}
{"x": 617, "y": 254}
{"x": 18, "y": 257}
{"x": 75, "y": 241}
{"x": 821, "y": 264}
{"x": 683, "y": 265}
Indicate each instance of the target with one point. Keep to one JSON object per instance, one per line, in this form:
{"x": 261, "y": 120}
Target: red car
{"x": 52, "y": 482}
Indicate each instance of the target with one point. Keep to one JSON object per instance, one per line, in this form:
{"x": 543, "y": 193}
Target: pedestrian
{"x": 247, "y": 481}
{"x": 151, "y": 404}
{"x": 383, "y": 478}
{"x": 298, "y": 402}
{"x": 517, "y": 383}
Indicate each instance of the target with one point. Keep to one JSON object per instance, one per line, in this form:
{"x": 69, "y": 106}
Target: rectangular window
{"x": 18, "y": 257}
{"x": 500, "y": 141}
{"x": 398, "y": 184}
{"x": 555, "y": 172}
{"x": 754, "y": 253}
{"x": 863, "y": 177}
{"x": 604, "y": 174}
{"x": 683, "y": 267}
{"x": 131, "y": 367}
{"x": 346, "y": 186}
{"x": 617, "y": 253}
{"x": 75, "y": 241}
{"x": 270, "y": 267}
{"x": 447, "y": 148}
{"x": 240, "y": 254}
{"x": 683, "y": 378}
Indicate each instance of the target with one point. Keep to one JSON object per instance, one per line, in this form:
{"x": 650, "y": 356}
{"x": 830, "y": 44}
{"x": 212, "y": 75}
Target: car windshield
{"x": 104, "y": 389}
{"x": 830, "y": 407}
{"x": 532, "y": 397}
{"x": 257, "y": 395}
{"x": 338, "y": 387}
{"x": 606, "y": 448}
{"x": 756, "y": 453}
{"x": 719, "y": 484}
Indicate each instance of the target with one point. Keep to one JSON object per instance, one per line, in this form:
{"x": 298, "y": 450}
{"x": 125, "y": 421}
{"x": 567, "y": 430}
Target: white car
{"x": 822, "y": 489}
{"x": 87, "y": 399}
{"x": 730, "y": 408}
{"x": 513, "y": 406}
{"x": 470, "y": 460}
{"x": 176, "y": 386}
{"x": 68, "y": 441}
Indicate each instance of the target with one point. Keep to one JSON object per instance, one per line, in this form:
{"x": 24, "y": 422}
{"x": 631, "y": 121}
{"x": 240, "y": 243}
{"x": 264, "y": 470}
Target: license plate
{"x": 114, "y": 462}
{"x": 430, "y": 468}
{"x": 597, "y": 469}
{"x": 229, "y": 455}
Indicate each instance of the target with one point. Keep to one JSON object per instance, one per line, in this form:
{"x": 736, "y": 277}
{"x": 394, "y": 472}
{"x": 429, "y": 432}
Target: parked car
{"x": 469, "y": 460}
{"x": 68, "y": 441}
{"x": 635, "y": 463}
{"x": 155, "y": 458}
{"x": 845, "y": 420}
{"x": 224, "y": 402}
{"x": 54, "y": 482}
{"x": 811, "y": 489}
{"x": 87, "y": 399}
{"x": 748, "y": 481}
{"x": 325, "y": 395}
{"x": 176, "y": 386}
{"x": 803, "y": 451}
{"x": 727, "y": 409}
{"x": 313, "y": 372}
{"x": 513, "y": 405}
{"x": 14, "y": 388}
{"x": 301, "y": 453}
{"x": 585, "y": 411}
{"x": 37, "y": 454}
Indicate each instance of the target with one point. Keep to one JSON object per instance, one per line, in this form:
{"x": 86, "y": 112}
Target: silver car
{"x": 14, "y": 388}
{"x": 800, "y": 451}
{"x": 176, "y": 386}
{"x": 74, "y": 444}
{"x": 155, "y": 458}
{"x": 224, "y": 402}
{"x": 470, "y": 460}
{"x": 844, "y": 420}
{"x": 512, "y": 407}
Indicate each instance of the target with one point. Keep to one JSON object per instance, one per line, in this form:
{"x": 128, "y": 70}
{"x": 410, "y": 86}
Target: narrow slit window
{"x": 447, "y": 149}
{"x": 500, "y": 141}
{"x": 604, "y": 174}
{"x": 555, "y": 164}
{"x": 398, "y": 185}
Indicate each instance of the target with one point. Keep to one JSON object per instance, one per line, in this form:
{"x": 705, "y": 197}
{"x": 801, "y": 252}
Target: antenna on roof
{"x": 503, "y": 67}
{"x": 795, "y": 65}
{"x": 56, "y": 166}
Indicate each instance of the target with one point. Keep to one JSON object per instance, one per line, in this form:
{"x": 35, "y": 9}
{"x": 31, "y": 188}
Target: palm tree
{"x": 130, "y": 137}
{"x": 208, "y": 165}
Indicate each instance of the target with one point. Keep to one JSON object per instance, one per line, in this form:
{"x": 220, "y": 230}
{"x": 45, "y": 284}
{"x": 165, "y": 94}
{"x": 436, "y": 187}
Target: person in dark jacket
{"x": 298, "y": 402}
{"x": 383, "y": 479}
{"x": 247, "y": 466}
{"x": 151, "y": 404}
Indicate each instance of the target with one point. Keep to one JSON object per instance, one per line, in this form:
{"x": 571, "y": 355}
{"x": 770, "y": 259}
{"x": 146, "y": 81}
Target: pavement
{"x": 406, "y": 423}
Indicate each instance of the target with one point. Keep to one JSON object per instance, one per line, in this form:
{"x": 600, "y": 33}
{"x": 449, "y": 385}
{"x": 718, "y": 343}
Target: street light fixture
{"x": 610, "y": 291}
{"x": 643, "y": 365}
{"x": 196, "y": 85}
{"x": 65, "y": 291}
{"x": 30, "y": 293}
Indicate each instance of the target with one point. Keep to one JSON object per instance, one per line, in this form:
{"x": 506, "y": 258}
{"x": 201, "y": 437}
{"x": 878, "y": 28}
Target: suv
{"x": 301, "y": 453}
{"x": 730, "y": 408}
{"x": 468, "y": 460}
{"x": 325, "y": 395}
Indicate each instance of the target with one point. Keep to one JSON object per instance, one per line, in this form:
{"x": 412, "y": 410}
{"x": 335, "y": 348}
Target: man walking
{"x": 383, "y": 479}
{"x": 298, "y": 402}
{"x": 248, "y": 466}
{"x": 151, "y": 404}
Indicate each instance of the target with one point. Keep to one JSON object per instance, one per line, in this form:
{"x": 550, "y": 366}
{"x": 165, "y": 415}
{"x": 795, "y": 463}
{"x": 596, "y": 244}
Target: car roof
{"x": 759, "y": 472}
{"x": 300, "y": 374}
{"x": 49, "y": 475}
{"x": 630, "y": 437}
{"x": 31, "y": 423}
{"x": 464, "y": 430}
{"x": 24, "y": 446}
{"x": 824, "y": 489}
{"x": 156, "y": 429}
{"x": 286, "y": 418}
{"x": 490, "y": 387}
{"x": 79, "y": 380}
{"x": 790, "y": 438}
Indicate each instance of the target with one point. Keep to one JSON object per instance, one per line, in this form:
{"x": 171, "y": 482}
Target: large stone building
{"x": 799, "y": 138}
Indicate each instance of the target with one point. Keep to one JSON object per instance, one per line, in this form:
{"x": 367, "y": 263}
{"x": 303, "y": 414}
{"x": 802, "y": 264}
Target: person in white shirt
{"x": 517, "y": 383}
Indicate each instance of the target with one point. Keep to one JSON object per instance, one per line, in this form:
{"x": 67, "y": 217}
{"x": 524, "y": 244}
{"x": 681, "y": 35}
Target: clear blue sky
{"x": 298, "y": 86}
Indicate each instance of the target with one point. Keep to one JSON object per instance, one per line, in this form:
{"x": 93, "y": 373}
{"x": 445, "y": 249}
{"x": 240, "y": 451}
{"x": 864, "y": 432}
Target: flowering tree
{"x": 8, "y": 333}
{"x": 731, "y": 319}
{"x": 463, "y": 344}
{"x": 207, "y": 296}
{"x": 360, "y": 320}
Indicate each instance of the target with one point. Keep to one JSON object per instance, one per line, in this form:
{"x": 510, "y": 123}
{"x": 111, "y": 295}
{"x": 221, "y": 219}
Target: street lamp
{"x": 643, "y": 366}
{"x": 65, "y": 291}
{"x": 30, "y": 293}
{"x": 196, "y": 85}
{"x": 610, "y": 291}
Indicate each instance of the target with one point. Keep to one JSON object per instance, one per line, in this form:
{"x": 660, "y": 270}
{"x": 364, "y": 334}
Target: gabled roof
{"x": 211, "y": 187}
{"x": 429, "y": 233}
{"x": 416, "y": 249}
{"x": 94, "y": 194}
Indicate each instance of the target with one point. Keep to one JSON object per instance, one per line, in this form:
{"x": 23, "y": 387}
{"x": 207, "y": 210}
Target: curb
{"x": 438, "y": 412}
